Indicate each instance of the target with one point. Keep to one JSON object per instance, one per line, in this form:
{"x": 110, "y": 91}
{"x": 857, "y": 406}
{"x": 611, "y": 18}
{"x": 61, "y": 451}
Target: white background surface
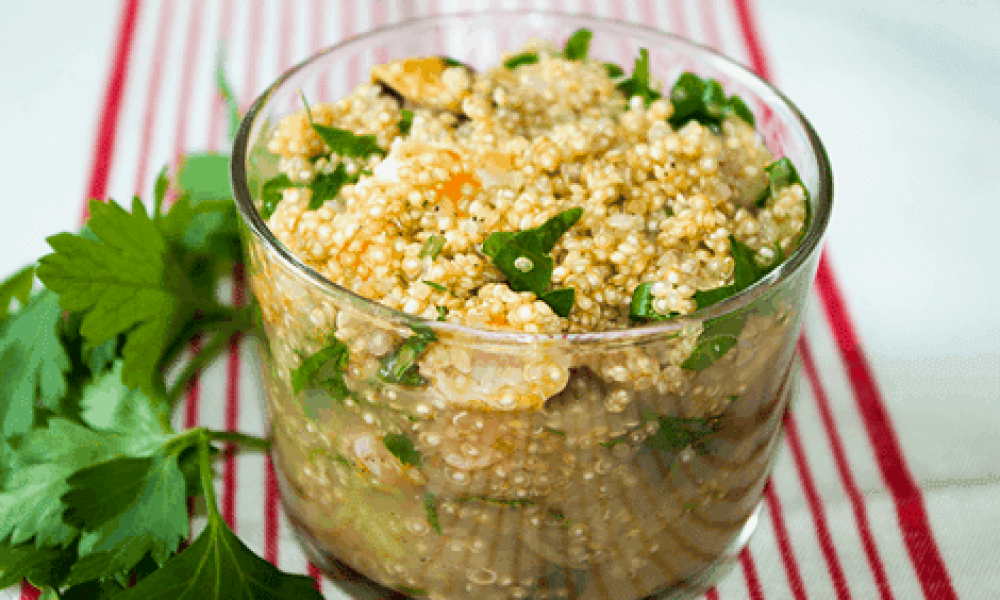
{"x": 905, "y": 94}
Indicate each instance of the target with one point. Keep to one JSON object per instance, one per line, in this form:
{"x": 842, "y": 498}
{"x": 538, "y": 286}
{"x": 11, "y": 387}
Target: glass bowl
{"x": 638, "y": 475}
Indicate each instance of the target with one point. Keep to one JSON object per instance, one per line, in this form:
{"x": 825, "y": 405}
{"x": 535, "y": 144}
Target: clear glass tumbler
{"x": 638, "y": 476}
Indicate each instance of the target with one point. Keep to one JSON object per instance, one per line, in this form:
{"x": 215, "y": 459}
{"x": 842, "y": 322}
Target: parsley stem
{"x": 205, "y": 468}
{"x": 251, "y": 442}
{"x": 226, "y": 330}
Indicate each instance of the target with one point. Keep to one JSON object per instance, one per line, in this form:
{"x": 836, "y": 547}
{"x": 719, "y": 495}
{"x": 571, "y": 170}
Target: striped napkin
{"x": 843, "y": 516}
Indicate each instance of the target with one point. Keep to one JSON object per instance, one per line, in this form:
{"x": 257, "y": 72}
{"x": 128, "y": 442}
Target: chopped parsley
{"x": 402, "y": 448}
{"x": 524, "y": 58}
{"x": 432, "y": 247}
{"x": 405, "y": 121}
{"x": 641, "y": 307}
{"x": 438, "y": 287}
{"x": 430, "y": 506}
{"x": 578, "y": 45}
{"x": 324, "y": 370}
{"x": 523, "y": 257}
{"x": 695, "y": 99}
{"x": 400, "y": 366}
{"x": 614, "y": 71}
{"x": 638, "y": 84}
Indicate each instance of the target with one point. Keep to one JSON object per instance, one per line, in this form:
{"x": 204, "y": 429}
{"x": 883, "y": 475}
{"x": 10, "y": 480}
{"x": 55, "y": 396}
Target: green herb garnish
{"x": 326, "y": 186}
{"x": 676, "y": 433}
{"x": 438, "y": 287}
{"x": 524, "y": 58}
{"x": 324, "y": 370}
{"x": 430, "y": 506}
{"x": 432, "y": 247}
{"x": 781, "y": 174}
{"x": 344, "y": 142}
{"x": 523, "y": 257}
{"x": 442, "y": 313}
{"x": 719, "y": 335}
{"x": 704, "y": 101}
{"x": 405, "y": 121}
{"x": 402, "y": 448}
{"x": 614, "y": 71}
{"x": 638, "y": 84}
{"x": 641, "y": 307}
{"x": 516, "y": 503}
{"x": 578, "y": 45}
{"x": 400, "y": 366}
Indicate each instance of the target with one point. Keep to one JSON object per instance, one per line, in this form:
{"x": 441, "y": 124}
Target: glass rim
{"x": 810, "y": 244}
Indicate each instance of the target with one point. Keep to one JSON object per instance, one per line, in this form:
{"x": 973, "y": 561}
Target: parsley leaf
{"x": 719, "y": 335}
{"x": 578, "y": 45}
{"x": 437, "y": 286}
{"x": 325, "y": 370}
{"x": 43, "y": 566}
{"x": 326, "y": 186}
{"x": 430, "y": 506}
{"x": 33, "y": 362}
{"x": 442, "y": 313}
{"x": 560, "y": 301}
{"x": 107, "y": 404}
{"x": 270, "y": 194}
{"x": 524, "y": 58}
{"x": 641, "y": 307}
{"x": 638, "y": 83}
{"x": 399, "y": 367}
{"x": 781, "y": 174}
{"x": 432, "y": 247}
{"x": 346, "y": 143}
{"x": 218, "y": 566}
{"x": 16, "y": 287}
{"x": 402, "y": 448}
{"x": 523, "y": 258}
{"x": 126, "y": 507}
{"x": 204, "y": 176}
{"x": 44, "y": 458}
{"x": 405, "y": 121}
{"x": 704, "y": 101}
{"x": 614, "y": 71}
{"x": 127, "y": 282}
{"x": 676, "y": 433}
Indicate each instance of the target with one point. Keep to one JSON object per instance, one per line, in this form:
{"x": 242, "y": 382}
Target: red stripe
{"x": 317, "y": 576}
{"x": 784, "y": 542}
{"x": 272, "y": 507}
{"x": 713, "y": 594}
{"x": 748, "y": 27}
{"x": 750, "y": 573}
{"x": 910, "y": 509}
{"x": 844, "y": 470}
{"x": 816, "y": 508}
{"x": 29, "y": 592}
{"x": 111, "y": 108}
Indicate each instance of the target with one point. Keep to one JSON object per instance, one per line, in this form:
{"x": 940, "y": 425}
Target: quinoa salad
{"x": 550, "y": 194}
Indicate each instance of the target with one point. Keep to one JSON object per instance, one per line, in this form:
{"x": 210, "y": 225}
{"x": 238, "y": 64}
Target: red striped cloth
{"x": 843, "y": 516}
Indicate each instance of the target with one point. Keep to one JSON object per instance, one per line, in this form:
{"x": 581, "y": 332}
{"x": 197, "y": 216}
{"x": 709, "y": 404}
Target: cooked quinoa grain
{"x": 533, "y": 199}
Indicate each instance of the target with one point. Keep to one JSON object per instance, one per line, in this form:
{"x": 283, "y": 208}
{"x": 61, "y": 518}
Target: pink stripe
{"x": 784, "y": 542}
{"x": 153, "y": 93}
{"x": 711, "y": 23}
{"x": 844, "y": 470}
{"x": 910, "y": 509}
{"x": 679, "y": 18}
{"x": 187, "y": 80}
{"x": 111, "y": 107}
{"x": 816, "y": 507}
{"x": 750, "y": 573}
